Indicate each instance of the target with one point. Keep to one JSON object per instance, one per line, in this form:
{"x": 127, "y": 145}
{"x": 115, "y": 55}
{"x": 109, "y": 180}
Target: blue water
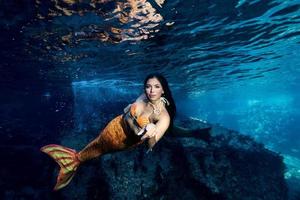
{"x": 233, "y": 63}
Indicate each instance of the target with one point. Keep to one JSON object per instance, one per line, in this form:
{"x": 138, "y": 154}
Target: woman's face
{"x": 153, "y": 89}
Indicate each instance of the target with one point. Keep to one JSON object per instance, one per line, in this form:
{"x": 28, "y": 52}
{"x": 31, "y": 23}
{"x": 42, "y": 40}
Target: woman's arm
{"x": 156, "y": 131}
{"x": 131, "y": 123}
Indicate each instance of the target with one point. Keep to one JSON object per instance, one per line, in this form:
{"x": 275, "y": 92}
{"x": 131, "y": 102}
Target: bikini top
{"x": 141, "y": 120}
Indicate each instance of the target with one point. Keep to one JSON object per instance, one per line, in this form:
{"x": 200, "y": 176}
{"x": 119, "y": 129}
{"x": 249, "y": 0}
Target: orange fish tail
{"x": 67, "y": 160}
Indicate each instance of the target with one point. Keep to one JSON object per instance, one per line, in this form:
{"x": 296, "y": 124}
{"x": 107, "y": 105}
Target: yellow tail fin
{"x": 67, "y": 160}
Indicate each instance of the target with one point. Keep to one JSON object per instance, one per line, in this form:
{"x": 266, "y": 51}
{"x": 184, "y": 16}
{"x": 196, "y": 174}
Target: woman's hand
{"x": 150, "y": 131}
{"x": 151, "y": 143}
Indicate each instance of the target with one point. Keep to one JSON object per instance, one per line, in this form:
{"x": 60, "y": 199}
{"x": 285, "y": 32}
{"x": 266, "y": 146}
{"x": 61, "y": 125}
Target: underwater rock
{"x": 226, "y": 166}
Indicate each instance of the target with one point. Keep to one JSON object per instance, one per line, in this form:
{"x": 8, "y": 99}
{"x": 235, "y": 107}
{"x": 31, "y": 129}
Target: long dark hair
{"x": 171, "y": 108}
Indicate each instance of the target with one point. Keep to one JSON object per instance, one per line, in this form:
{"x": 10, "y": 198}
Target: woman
{"x": 149, "y": 118}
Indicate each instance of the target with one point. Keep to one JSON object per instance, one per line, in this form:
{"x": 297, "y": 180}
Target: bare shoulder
{"x": 164, "y": 115}
{"x": 140, "y": 106}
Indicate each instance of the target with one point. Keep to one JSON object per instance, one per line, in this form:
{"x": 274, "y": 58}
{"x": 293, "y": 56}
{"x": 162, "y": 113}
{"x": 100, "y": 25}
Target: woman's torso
{"x": 141, "y": 114}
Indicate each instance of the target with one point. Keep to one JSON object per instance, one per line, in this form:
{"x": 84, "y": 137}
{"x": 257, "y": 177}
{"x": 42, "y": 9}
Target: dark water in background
{"x": 67, "y": 68}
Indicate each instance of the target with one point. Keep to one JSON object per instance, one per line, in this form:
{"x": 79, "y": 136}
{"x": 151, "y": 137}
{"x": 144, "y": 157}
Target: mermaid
{"x": 147, "y": 119}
